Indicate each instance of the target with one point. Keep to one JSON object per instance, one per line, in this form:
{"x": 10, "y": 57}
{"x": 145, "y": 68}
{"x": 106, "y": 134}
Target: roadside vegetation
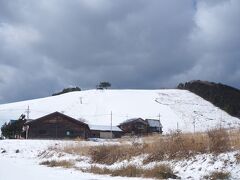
{"x": 156, "y": 148}
{"x": 175, "y": 145}
{"x": 162, "y": 171}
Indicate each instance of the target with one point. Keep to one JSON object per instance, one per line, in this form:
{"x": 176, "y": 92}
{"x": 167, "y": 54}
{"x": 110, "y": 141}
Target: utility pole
{"x": 194, "y": 124}
{"x": 111, "y": 126}
{"x": 28, "y": 112}
{"x": 159, "y": 116}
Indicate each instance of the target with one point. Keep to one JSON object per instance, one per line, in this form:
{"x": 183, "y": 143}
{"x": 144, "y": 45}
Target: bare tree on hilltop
{"x": 104, "y": 85}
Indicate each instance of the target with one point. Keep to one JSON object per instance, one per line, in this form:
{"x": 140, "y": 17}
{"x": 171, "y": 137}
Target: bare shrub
{"x": 218, "y": 140}
{"x": 63, "y": 163}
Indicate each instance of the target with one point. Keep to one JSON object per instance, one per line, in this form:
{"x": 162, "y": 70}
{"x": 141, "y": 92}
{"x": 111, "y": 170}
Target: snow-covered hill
{"x": 177, "y": 108}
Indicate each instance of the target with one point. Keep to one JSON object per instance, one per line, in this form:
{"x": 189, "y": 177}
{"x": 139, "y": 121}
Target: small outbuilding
{"x": 105, "y": 132}
{"x": 135, "y": 126}
{"x": 56, "y": 126}
{"x": 154, "y": 126}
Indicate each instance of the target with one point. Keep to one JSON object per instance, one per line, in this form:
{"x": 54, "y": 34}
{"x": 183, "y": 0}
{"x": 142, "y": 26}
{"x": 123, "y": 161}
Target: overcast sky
{"x": 46, "y": 45}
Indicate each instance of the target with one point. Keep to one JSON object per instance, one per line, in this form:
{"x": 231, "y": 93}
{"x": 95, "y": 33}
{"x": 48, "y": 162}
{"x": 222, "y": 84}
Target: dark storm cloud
{"x": 46, "y": 45}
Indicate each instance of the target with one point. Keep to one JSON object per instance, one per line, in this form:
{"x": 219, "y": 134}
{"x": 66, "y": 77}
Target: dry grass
{"x": 62, "y": 163}
{"x": 175, "y": 145}
{"x": 234, "y": 136}
{"x": 219, "y": 141}
{"x": 160, "y": 172}
{"x": 216, "y": 175}
{"x": 110, "y": 154}
{"x": 76, "y": 149}
{"x": 237, "y": 156}
{"x": 128, "y": 171}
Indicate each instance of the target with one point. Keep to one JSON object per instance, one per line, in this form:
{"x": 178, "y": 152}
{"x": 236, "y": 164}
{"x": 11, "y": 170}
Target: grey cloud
{"x": 132, "y": 44}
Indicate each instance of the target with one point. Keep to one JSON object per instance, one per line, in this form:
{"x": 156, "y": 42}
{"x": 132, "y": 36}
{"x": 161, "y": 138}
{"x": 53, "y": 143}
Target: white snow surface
{"x": 177, "y": 108}
{"x": 25, "y": 164}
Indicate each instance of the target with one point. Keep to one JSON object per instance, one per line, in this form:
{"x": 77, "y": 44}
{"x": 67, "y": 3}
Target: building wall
{"x": 102, "y": 134}
{"x": 154, "y": 129}
{"x": 134, "y": 128}
{"x": 57, "y": 127}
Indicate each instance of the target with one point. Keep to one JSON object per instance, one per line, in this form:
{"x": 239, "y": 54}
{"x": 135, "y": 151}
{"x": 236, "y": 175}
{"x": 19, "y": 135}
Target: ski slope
{"x": 177, "y": 108}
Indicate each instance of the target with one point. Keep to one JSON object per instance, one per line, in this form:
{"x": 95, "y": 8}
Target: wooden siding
{"x": 57, "y": 126}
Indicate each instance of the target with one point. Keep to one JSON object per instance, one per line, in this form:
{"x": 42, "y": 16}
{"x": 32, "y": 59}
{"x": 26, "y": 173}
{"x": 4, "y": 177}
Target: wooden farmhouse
{"x": 56, "y": 126}
{"x": 60, "y": 126}
{"x": 105, "y": 132}
{"x": 135, "y": 126}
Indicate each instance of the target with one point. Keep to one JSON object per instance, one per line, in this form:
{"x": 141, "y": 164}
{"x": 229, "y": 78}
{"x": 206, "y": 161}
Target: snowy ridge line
{"x": 177, "y": 108}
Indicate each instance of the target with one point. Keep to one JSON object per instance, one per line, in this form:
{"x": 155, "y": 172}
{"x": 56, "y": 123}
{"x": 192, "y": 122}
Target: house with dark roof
{"x": 154, "y": 126}
{"x": 134, "y": 126}
{"x": 56, "y": 126}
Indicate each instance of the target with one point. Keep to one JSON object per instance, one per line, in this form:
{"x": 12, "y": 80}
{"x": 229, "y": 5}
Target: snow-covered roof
{"x": 104, "y": 128}
{"x": 154, "y": 123}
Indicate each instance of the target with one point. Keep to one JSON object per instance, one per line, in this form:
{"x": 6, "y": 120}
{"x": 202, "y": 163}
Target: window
{"x": 69, "y": 133}
{"x": 139, "y": 126}
{"x": 42, "y": 132}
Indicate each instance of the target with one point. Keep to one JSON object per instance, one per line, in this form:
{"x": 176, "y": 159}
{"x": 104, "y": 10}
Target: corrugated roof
{"x": 133, "y": 119}
{"x": 104, "y": 128}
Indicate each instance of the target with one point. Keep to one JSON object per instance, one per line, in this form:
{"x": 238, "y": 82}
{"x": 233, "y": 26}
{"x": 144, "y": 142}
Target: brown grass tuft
{"x": 216, "y": 175}
{"x": 110, "y": 154}
{"x": 219, "y": 140}
{"x": 160, "y": 172}
{"x": 63, "y": 163}
{"x": 237, "y": 156}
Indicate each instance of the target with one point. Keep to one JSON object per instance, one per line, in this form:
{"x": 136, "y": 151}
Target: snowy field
{"x": 25, "y": 163}
{"x": 177, "y": 108}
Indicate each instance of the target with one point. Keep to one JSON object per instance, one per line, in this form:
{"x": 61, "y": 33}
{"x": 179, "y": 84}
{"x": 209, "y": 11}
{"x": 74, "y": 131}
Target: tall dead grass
{"x": 175, "y": 145}
{"x": 162, "y": 171}
{"x": 106, "y": 154}
{"x": 219, "y": 141}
